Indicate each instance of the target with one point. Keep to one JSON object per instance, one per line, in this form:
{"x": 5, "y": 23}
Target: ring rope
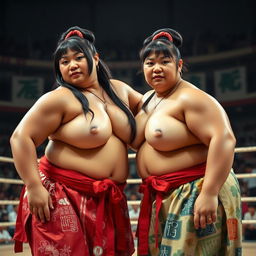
{"x": 134, "y": 202}
{"x": 129, "y": 181}
{"x": 133, "y": 155}
{"x": 133, "y": 222}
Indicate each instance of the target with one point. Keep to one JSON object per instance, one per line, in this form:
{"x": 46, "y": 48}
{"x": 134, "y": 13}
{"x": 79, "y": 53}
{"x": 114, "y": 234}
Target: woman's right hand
{"x": 39, "y": 202}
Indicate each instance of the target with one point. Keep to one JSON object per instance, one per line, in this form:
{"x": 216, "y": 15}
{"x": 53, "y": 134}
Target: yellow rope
{"x": 245, "y": 149}
{"x": 134, "y": 202}
{"x": 133, "y": 155}
{"x": 11, "y": 181}
{"x": 129, "y": 181}
{"x": 133, "y": 222}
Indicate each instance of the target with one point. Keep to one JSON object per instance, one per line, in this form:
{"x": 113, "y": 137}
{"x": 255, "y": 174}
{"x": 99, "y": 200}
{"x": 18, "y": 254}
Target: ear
{"x": 180, "y": 65}
{"x": 96, "y": 58}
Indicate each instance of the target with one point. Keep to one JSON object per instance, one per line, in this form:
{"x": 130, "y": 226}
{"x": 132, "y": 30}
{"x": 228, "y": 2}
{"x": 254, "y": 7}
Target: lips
{"x": 75, "y": 74}
{"x": 158, "y": 77}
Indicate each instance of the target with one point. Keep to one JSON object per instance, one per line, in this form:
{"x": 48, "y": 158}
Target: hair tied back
{"x": 163, "y": 34}
{"x": 74, "y": 33}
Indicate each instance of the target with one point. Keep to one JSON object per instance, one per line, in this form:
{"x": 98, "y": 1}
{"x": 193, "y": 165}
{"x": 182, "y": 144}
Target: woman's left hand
{"x": 205, "y": 210}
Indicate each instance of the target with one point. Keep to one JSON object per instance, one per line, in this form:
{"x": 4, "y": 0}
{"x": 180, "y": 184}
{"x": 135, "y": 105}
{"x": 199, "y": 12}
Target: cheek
{"x": 146, "y": 74}
{"x": 63, "y": 71}
{"x": 64, "y": 74}
{"x": 85, "y": 68}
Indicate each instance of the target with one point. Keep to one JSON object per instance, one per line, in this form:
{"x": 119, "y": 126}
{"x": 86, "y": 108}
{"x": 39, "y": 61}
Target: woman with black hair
{"x": 73, "y": 201}
{"x": 185, "y": 149}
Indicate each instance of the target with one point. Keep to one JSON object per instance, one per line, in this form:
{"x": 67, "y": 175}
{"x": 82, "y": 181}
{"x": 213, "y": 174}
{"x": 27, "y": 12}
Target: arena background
{"x": 219, "y": 50}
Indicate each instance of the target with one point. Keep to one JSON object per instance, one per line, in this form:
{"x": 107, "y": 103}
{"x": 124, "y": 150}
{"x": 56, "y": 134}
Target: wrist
{"x": 209, "y": 191}
{"x": 34, "y": 184}
{"x": 211, "y": 188}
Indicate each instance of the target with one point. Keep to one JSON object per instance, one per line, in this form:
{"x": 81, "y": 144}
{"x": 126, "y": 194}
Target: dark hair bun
{"x": 177, "y": 38}
{"x": 87, "y": 34}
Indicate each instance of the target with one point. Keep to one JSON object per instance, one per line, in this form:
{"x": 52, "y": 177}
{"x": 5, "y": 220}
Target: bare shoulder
{"x": 146, "y": 95}
{"x": 55, "y": 99}
{"x": 127, "y": 94}
{"x": 120, "y": 86}
{"x": 190, "y": 95}
{"x": 118, "y": 83}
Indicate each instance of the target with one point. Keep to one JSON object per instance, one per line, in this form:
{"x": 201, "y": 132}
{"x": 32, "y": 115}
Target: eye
{"x": 166, "y": 61}
{"x": 80, "y": 57}
{"x": 64, "y": 62}
{"x": 149, "y": 63}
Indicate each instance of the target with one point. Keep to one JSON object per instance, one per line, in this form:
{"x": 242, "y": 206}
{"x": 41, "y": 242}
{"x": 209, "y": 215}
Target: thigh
{"x": 177, "y": 235}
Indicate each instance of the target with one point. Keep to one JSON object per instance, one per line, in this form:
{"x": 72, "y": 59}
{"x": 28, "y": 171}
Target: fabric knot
{"x": 160, "y": 185}
{"x": 155, "y": 188}
{"x": 153, "y": 183}
{"x": 101, "y": 186}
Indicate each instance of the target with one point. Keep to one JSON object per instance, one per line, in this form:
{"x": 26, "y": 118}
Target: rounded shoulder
{"x": 58, "y": 93}
{"x": 190, "y": 94}
{"x": 56, "y": 98}
{"x": 129, "y": 95}
{"x": 146, "y": 95}
{"x": 118, "y": 84}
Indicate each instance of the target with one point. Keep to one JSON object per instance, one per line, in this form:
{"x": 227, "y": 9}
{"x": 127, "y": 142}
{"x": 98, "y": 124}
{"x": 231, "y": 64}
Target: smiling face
{"x": 161, "y": 72}
{"x": 74, "y": 69}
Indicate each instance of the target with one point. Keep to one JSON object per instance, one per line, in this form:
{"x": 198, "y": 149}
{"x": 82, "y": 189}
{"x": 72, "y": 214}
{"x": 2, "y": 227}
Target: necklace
{"x": 167, "y": 94}
{"x": 102, "y": 100}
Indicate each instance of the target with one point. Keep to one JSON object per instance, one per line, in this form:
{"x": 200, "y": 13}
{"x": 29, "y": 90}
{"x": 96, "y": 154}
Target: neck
{"x": 169, "y": 91}
{"x": 98, "y": 94}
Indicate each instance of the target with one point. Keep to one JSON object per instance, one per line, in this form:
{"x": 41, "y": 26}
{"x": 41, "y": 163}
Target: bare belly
{"x": 107, "y": 161}
{"x": 153, "y": 162}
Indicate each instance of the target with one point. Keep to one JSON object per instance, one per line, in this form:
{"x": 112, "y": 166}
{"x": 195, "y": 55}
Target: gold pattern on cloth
{"x": 177, "y": 235}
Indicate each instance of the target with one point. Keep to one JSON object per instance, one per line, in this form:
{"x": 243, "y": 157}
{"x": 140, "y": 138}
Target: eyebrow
{"x": 153, "y": 58}
{"x": 64, "y": 56}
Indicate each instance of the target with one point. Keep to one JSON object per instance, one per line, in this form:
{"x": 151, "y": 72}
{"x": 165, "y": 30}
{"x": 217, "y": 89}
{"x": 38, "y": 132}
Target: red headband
{"x": 74, "y": 33}
{"x": 163, "y": 34}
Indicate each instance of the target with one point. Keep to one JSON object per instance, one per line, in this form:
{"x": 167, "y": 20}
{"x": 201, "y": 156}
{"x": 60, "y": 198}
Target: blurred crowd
{"x": 243, "y": 163}
{"x": 206, "y": 42}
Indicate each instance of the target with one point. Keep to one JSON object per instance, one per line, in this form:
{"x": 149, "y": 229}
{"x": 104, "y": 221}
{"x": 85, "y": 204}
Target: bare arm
{"x": 208, "y": 121}
{"x": 125, "y": 91}
{"x": 40, "y": 121}
{"x": 141, "y": 120}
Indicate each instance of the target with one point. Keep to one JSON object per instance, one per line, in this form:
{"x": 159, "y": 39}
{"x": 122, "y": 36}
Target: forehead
{"x": 69, "y": 52}
{"x": 157, "y": 55}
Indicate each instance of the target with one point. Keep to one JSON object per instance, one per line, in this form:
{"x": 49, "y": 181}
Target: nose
{"x": 73, "y": 65}
{"x": 157, "y": 68}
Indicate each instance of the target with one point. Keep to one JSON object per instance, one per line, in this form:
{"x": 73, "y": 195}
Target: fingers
{"x": 200, "y": 221}
{"x": 46, "y": 212}
{"x": 214, "y": 217}
{"x": 41, "y": 216}
{"x": 38, "y": 213}
{"x": 209, "y": 219}
{"x": 42, "y": 213}
{"x": 40, "y": 203}
{"x": 50, "y": 203}
{"x": 196, "y": 220}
